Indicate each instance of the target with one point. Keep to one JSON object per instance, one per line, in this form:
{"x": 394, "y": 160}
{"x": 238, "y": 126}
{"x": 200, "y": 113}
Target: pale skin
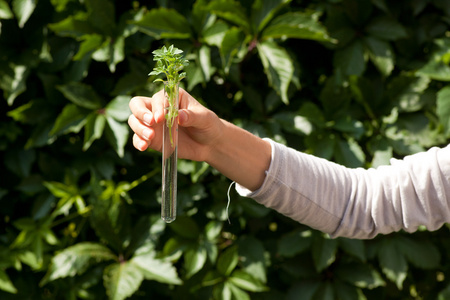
{"x": 203, "y": 136}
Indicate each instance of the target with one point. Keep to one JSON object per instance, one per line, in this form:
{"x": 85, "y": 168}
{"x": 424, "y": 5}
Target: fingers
{"x": 148, "y": 110}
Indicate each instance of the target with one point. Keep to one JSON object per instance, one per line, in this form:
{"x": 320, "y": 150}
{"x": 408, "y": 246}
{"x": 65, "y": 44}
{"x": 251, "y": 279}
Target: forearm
{"x": 240, "y": 156}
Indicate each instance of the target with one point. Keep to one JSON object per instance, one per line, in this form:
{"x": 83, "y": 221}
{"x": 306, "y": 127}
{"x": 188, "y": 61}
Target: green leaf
{"x": 185, "y": 227}
{"x": 246, "y": 282}
{"x": 194, "y": 260}
{"x": 386, "y": 28}
{"x": 155, "y": 269}
{"x": 349, "y": 153}
{"x": 381, "y": 54}
{"x": 305, "y": 289}
{"x": 325, "y": 292}
{"x": 164, "y": 23}
{"x": 253, "y": 257}
{"x": 298, "y": 25}
{"x": 360, "y": 275}
{"x": 102, "y": 16}
{"x": 215, "y": 34}
{"x": 23, "y": 10}
{"x": 420, "y": 253}
{"x": 393, "y": 262}
{"x": 407, "y": 92}
{"x": 264, "y": 11}
{"x": 278, "y": 67}
{"x": 231, "y": 11}
{"x": 89, "y": 43}
{"x": 121, "y": 280}
{"x": 117, "y": 134}
{"x": 231, "y": 44}
{"x": 118, "y": 108}
{"x": 71, "y": 119}
{"x": 437, "y": 66}
{"x": 443, "y": 108}
{"x": 353, "y": 247}
{"x": 323, "y": 251}
{"x": 75, "y": 26}
{"x": 294, "y": 242}
{"x": 5, "y": 11}
{"x": 227, "y": 261}
{"x": 74, "y": 260}
{"x": 345, "y": 291}
{"x": 350, "y": 59}
{"x": 6, "y": 284}
{"x": 81, "y": 94}
{"x": 95, "y": 124}
{"x": 13, "y": 81}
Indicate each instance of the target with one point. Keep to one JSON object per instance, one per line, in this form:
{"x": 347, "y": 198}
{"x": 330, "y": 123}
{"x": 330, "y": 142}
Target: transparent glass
{"x": 170, "y": 153}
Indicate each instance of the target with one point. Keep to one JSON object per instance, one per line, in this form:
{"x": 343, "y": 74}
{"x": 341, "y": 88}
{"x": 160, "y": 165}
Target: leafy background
{"x": 353, "y": 81}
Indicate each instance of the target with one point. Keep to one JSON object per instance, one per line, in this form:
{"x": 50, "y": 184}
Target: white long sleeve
{"x": 358, "y": 203}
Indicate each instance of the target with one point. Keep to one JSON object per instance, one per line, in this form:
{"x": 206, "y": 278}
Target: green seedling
{"x": 170, "y": 61}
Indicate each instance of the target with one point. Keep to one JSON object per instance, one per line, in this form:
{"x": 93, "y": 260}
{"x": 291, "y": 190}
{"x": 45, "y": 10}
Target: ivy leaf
{"x": 117, "y": 134}
{"x": 6, "y": 284}
{"x": 95, "y": 124}
{"x": 231, "y": 44}
{"x": 350, "y": 59}
{"x": 253, "y": 257}
{"x": 323, "y": 251}
{"x": 71, "y": 119}
{"x": 121, "y": 280}
{"x": 195, "y": 259}
{"x": 164, "y": 23}
{"x": 246, "y": 282}
{"x": 294, "y": 242}
{"x": 227, "y": 261}
{"x": 360, "y": 275}
{"x": 155, "y": 269}
{"x": 5, "y": 11}
{"x": 81, "y": 94}
{"x": 386, "y": 28}
{"x": 13, "y": 81}
{"x": 422, "y": 254}
{"x": 278, "y": 67}
{"x": 74, "y": 260}
{"x": 23, "y": 9}
{"x": 393, "y": 262}
{"x": 349, "y": 153}
{"x": 118, "y": 108}
{"x": 231, "y": 11}
{"x": 299, "y": 25}
{"x": 263, "y": 11}
{"x": 443, "y": 108}
{"x": 380, "y": 53}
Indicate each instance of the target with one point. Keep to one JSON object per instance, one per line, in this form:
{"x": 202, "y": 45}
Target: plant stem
{"x": 170, "y": 153}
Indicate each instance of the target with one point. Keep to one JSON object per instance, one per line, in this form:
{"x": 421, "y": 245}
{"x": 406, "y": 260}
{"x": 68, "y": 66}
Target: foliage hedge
{"x": 354, "y": 81}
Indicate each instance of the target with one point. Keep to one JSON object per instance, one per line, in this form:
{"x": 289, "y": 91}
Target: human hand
{"x": 198, "y": 132}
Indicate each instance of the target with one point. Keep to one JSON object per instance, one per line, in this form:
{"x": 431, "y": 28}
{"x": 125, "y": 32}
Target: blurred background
{"x": 353, "y": 81}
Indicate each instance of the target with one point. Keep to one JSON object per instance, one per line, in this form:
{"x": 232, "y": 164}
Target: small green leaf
{"x": 227, "y": 261}
{"x": 194, "y": 260}
{"x": 299, "y": 25}
{"x": 350, "y": 60}
{"x": 76, "y": 259}
{"x": 264, "y": 11}
{"x": 164, "y": 23}
{"x": 117, "y": 134}
{"x": 215, "y": 34}
{"x": 81, "y": 94}
{"x": 118, "y": 108}
{"x": 89, "y": 43}
{"x": 349, "y": 153}
{"x": 23, "y": 9}
{"x": 381, "y": 54}
{"x": 6, "y": 284}
{"x": 121, "y": 280}
{"x": 231, "y": 44}
{"x": 323, "y": 251}
{"x": 294, "y": 242}
{"x": 278, "y": 67}
{"x": 95, "y": 124}
{"x": 253, "y": 257}
{"x": 231, "y": 11}
{"x": 386, "y": 28}
{"x": 5, "y": 11}
{"x": 421, "y": 254}
{"x": 246, "y": 282}
{"x": 443, "y": 108}
{"x": 360, "y": 275}
{"x": 393, "y": 262}
{"x": 156, "y": 269}
{"x": 185, "y": 227}
{"x": 71, "y": 119}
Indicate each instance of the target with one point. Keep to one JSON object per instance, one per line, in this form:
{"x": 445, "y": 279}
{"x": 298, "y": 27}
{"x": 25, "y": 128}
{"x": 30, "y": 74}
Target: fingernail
{"x": 146, "y": 133}
{"x": 182, "y": 117}
{"x": 147, "y": 119}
